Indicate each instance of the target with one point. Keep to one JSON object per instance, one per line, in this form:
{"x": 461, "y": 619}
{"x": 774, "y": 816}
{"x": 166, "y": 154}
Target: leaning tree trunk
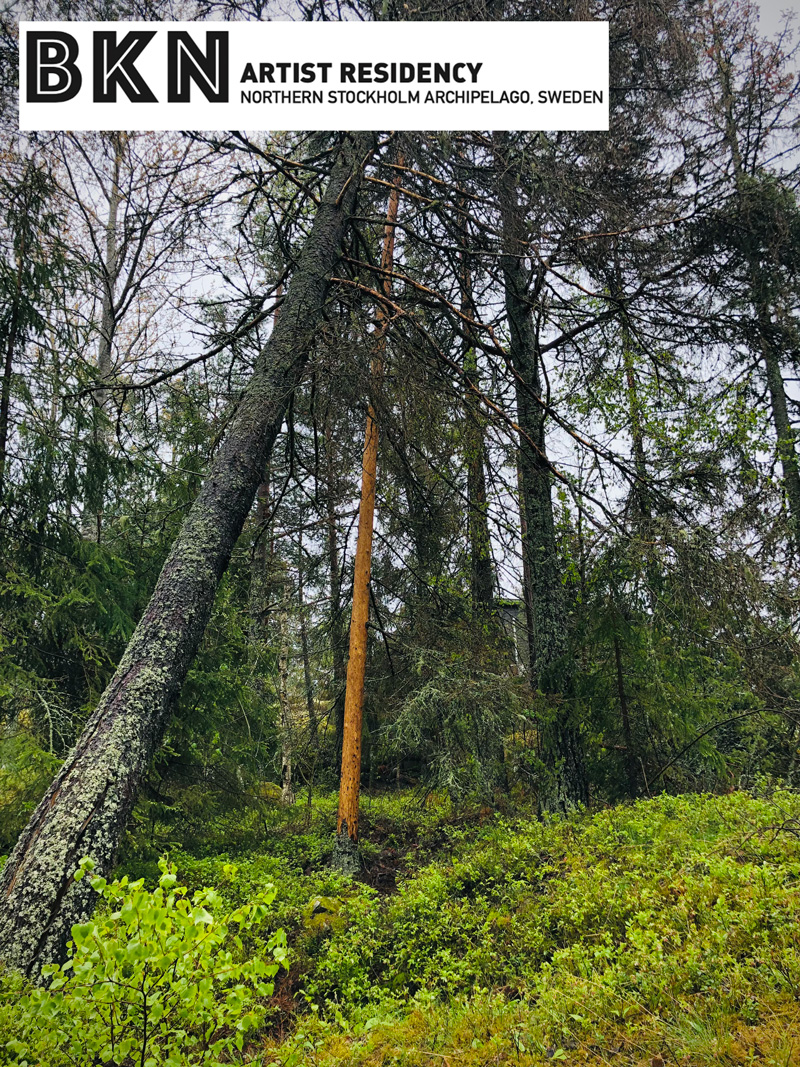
{"x": 345, "y": 856}
{"x": 86, "y": 808}
{"x": 551, "y": 666}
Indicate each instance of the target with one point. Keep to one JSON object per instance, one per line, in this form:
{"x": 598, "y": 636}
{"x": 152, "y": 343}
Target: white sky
{"x": 771, "y": 13}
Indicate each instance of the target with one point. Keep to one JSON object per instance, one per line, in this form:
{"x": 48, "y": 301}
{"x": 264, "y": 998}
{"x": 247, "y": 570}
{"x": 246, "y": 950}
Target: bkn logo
{"x": 53, "y": 74}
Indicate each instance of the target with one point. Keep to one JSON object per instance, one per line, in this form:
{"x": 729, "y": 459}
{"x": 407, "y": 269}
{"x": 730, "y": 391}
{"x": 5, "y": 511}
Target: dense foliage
{"x": 580, "y": 355}
{"x": 664, "y": 928}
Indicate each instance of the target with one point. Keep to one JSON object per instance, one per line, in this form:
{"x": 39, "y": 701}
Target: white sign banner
{"x": 314, "y": 75}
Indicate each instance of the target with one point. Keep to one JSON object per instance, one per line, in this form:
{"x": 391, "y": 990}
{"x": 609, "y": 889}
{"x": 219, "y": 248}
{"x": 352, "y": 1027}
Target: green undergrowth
{"x": 663, "y": 930}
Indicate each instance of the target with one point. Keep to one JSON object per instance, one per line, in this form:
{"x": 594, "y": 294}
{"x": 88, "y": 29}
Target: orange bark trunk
{"x": 350, "y": 785}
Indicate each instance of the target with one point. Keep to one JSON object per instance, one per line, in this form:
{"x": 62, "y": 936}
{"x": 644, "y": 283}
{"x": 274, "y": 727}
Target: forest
{"x": 400, "y": 585}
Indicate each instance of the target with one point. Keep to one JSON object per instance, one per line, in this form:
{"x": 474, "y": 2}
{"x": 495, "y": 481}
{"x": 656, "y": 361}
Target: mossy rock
{"x": 269, "y": 791}
{"x": 323, "y": 913}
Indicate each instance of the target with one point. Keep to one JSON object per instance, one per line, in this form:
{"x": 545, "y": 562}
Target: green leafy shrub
{"x": 666, "y": 929}
{"x": 667, "y": 898}
{"x": 155, "y": 979}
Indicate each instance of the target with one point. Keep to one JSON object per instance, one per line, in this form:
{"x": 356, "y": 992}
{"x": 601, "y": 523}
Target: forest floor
{"x": 664, "y": 930}
{"x": 661, "y": 932}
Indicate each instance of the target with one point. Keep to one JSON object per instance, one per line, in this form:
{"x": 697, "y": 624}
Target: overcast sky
{"x": 772, "y": 13}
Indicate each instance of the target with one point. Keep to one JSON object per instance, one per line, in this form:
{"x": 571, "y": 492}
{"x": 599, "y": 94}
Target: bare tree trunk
{"x": 345, "y": 855}
{"x": 259, "y": 594}
{"x": 346, "y": 852}
{"x": 85, "y": 810}
{"x": 262, "y": 575}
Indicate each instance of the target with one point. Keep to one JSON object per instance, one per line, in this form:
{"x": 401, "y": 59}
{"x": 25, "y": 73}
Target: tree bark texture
{"x": 552, "y": 669}
{"x": 350, "y": 782}
{"x": 88, "y": 804}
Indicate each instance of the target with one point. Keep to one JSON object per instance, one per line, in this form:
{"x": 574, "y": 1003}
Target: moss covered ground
{"x": 666, "y": 931}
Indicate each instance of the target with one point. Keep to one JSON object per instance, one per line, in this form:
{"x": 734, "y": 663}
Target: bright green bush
{"x": 155, "y": 980}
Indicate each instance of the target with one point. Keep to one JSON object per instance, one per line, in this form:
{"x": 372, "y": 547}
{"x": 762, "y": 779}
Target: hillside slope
{"x": 665, "y": 931}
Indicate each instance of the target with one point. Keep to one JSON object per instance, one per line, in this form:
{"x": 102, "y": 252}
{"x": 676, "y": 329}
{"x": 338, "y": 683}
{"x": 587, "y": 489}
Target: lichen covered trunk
{"x": 88, "y": 804}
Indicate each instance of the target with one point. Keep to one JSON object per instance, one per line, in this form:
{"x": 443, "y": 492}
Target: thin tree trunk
{"x": 92, "y": 523}
{"x": 259, "y": 595}
{"x": 261, "y": 567}
{"x": 335, "y": 613}
{"x": 8, "y": 368}
{"x": 787, "y": 438}
{"x": 346, "y": 852}
{"x": 85, "y": 810}
{"x": 552, "y": 668}
{"x": 312, "y": 715}
{"x": 641, "y": 501}
{"x": 527, "y": 578}
{"x": 287, "y": 791}
{"x": 262, "y": 580}
{"x": 480, "y": 545}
